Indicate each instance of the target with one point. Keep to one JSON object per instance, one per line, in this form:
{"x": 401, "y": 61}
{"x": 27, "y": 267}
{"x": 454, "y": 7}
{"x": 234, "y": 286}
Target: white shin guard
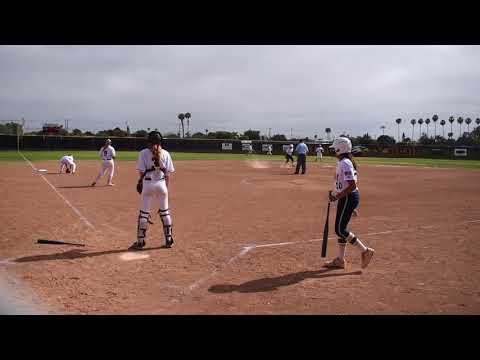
{"x": 142, "y": 227}
{"x": 167, "y": 223}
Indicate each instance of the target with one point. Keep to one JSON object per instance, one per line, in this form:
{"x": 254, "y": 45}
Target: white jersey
{"x": 290, "y": 150}
{"x": 345, "y": 172}
{"x": 319, "y": 150}
{"x": 67, "y": 160}
{"x": 107, "y": 153}
{"x": 146, "y": 162}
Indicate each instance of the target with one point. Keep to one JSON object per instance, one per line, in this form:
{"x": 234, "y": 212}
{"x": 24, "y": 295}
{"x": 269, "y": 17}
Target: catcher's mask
{"x": 155, "y": 138}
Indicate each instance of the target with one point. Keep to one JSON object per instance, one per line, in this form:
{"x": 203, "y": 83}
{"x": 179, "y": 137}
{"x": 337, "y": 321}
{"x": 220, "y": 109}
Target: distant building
{"x": 52, "y": 128}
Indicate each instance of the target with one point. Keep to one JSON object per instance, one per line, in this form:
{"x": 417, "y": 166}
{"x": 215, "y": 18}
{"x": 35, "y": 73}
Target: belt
{"x": 149, "y": 179}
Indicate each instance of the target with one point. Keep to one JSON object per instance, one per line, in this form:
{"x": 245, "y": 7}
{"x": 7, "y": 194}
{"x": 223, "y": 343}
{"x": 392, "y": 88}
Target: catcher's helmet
{"x": 342, "y": 145}
{"x": 155, "y": 138}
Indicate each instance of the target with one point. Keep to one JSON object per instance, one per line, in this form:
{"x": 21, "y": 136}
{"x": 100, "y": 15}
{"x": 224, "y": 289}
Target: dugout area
{"x": 247, "y": 241}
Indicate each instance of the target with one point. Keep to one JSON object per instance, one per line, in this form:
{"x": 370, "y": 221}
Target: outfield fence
{"x": 56, "y": 142}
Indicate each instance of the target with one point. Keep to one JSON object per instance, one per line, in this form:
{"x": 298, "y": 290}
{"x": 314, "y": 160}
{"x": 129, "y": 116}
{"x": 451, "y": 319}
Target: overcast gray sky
{"x": 352, "y": 89}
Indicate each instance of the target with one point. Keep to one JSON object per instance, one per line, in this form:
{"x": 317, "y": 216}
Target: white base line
{"x": 197, "y": 283}
{"x": 369, "y": 234}
{"x": 75, "y": 210}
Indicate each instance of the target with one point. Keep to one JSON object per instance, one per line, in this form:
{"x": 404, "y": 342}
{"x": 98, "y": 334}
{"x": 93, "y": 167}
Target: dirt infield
{"x": 247, "y": 241}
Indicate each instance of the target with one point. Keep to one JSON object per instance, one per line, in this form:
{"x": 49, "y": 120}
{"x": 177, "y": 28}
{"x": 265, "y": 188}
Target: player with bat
{"x": 348, "y": 196}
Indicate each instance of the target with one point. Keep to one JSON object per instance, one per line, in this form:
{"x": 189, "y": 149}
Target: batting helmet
{"x": 155, "y": 138}
{"x": 342, "y": 145}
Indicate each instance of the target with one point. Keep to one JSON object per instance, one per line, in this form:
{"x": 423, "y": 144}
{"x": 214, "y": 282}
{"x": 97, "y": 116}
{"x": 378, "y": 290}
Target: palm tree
{"x": 413, "y": 126}
{"x": 451, "y": 120}
{"x": 420, "y": 122}
{"x": 435, "y": 119}
{"x": 443, "y": 122}
{"x": 450, "y": 134}
{"x": 328, "y": 131}
{"x": 398, "y": 121}
{"x": 468, "y": 121}
{"x": 460, "y": 122}
{"x": 181, "y": 117}
{"x": 188, "y": 116}
{"x": 427, "y": 121}
{"x": 383, "y": 129}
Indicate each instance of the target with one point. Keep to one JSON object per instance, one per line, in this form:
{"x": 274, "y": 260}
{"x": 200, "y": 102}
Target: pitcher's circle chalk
{"x": 129, "y": 256}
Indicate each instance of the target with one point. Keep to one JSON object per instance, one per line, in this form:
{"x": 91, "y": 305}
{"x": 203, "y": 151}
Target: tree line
{"x": 467, "y": 138}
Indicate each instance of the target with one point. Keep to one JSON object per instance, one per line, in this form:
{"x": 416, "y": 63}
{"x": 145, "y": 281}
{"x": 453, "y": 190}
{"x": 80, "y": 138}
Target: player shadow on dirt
{"x": 271, "y": 284}
{"x": 78, "y": 254}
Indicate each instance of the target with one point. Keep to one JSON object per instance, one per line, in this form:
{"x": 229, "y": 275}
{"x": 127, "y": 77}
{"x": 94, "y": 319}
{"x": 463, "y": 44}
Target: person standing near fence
{"x": 302, "y": 151}
{"x": 107, "y": 153}
{"x": 288, "y": 155}
{"x": 269, "y": 149}
{"x": 319, "y": 151}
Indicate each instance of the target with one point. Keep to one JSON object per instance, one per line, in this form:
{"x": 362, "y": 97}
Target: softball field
{"x": 247, "y": 241}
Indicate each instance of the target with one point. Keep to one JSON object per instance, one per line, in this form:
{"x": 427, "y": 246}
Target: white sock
{"x": 341, "y": 251}
{"x": 359, "y": 244}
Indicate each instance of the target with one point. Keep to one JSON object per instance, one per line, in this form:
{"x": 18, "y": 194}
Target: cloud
{"x": 308, "y": 88}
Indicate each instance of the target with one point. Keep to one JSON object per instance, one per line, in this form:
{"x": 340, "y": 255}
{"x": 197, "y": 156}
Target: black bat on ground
{"x": 55, "y": 242}
{"x": 325, "y": 233}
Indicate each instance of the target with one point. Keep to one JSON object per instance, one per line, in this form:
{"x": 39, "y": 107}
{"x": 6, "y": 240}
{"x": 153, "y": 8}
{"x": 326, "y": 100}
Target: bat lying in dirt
{"x": 55, "y": 242}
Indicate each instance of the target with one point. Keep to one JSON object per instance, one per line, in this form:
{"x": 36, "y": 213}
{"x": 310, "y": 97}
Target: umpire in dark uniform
{"x": 302, "y": 151}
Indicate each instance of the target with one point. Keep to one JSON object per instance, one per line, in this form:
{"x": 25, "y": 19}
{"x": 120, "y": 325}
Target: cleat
{"x": 336, "y": 263}
{"x": 93, "y": 184}
{"x": 137, "y": 245}
{"x": 111, "y": 184}
{"x": 366, "y": 257}
{"x": 169, "y": 242}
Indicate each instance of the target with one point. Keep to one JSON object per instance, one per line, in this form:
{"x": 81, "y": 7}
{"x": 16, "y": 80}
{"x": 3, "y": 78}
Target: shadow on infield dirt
{"x": 78, "y": 254}
{"x": 270, "y": 284}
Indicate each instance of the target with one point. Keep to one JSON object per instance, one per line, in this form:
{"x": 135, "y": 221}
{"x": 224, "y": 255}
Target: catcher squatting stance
{"x": 348, "y": 196}
{"x": 154, "y": 166}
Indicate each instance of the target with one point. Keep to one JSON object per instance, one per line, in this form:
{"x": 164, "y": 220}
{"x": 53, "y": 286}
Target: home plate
{"x": 42, "y": 170}
{"x": 133, "y": 256}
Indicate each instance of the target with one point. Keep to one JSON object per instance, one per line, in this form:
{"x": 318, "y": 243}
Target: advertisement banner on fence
{"x": 266, "y": 147}
{"x": 227, "y": 146}
{"x": 460, "y": 152}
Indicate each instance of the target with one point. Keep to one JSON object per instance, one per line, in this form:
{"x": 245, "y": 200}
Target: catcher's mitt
{"x": 140, "y": 186}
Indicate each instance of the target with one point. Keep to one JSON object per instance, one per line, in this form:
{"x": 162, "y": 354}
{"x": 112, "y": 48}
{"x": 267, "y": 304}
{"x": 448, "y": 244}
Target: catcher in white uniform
{"x": 154, "y": 167}
{"x": 67, "y": 163}
{"x": 107, "y": 153}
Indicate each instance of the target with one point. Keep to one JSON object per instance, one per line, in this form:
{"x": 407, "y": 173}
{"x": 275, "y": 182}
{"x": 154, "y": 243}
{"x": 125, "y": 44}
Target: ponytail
{"x": 350, "y": 157}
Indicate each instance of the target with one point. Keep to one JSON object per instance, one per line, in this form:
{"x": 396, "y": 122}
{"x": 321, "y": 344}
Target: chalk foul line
{"x": 74, "y": 209}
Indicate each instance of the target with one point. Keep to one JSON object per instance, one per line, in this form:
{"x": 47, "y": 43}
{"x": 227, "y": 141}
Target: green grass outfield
{"x": 132, "y": 155}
